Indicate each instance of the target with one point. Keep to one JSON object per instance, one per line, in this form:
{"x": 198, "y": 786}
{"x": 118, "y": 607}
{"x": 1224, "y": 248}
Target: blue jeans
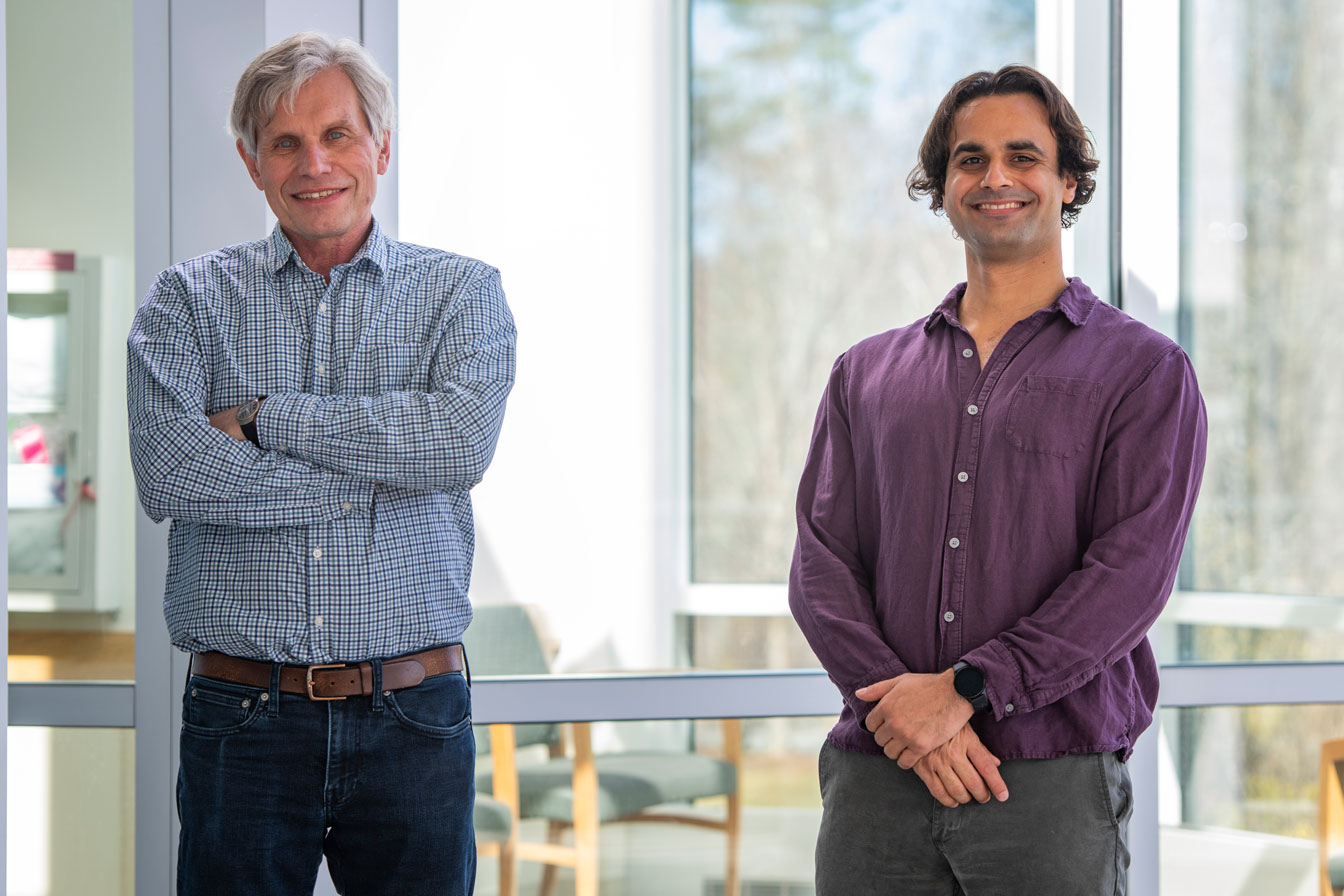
{"x": 1062, "y": 832}
{"x": 383, "y": 785}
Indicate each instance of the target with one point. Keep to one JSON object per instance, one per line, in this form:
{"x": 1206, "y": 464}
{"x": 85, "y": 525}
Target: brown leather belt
{"x": 332, "y": 681}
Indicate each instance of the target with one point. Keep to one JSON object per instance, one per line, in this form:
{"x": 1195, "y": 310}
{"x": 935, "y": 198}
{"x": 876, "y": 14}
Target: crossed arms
{"x": 191, "y": 462}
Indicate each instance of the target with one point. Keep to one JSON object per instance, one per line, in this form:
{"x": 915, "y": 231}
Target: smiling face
{"x": 318, "y": 165}
{"x": 1003, "y": 191}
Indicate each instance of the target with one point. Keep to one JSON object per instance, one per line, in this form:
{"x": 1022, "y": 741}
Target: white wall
{"x": 530, "y": 139}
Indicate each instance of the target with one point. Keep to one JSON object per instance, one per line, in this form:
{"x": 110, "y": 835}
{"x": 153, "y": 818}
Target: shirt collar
{"x": 279, "y": 250}
{"x": 1075, "y": 303}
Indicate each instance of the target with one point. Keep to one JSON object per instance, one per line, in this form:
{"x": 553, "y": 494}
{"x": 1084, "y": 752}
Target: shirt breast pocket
{"x": 395, "y": 367}
{"x": 1052, "y": 415}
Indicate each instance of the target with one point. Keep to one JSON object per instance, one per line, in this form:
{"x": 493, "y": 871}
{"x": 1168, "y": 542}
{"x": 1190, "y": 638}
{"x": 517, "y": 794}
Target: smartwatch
{"x": 970, "y": 683}
{"x": 247, "y": 418}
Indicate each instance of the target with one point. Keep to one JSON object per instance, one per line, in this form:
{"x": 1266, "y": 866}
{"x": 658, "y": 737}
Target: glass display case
{"x": 52, "y": 362}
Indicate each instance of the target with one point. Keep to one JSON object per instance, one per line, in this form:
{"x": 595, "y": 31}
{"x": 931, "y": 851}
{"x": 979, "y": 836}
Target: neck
{"x": 322, "y": 255}
{"x": 1008, "y": 291}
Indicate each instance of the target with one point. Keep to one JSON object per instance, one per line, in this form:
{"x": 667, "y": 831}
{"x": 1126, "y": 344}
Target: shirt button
{"x": 954, "y": 542}
{"x": 972, "y": 410}
{"x": 966, "y": 353}
{"x": 1008, "y": 708}
{"x": 322, "y": 308}
{"x": 318, "y": 620}
{"x": 346, "y": 505}
{"x": 949, "y": 616}
{"x": 962, "y": 477}
{"x": 317, "y": 553}
{"x": 322, "y": 368}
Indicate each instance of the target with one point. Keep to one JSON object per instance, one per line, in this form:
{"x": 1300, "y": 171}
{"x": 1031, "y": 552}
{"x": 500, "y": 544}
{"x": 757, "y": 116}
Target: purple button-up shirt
{"x": 1027, "y": 517}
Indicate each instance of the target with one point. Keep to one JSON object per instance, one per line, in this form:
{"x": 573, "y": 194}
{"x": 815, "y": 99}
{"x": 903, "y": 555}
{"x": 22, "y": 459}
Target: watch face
{"x": 969, "y": 682}
{"x": 247, "y": 411}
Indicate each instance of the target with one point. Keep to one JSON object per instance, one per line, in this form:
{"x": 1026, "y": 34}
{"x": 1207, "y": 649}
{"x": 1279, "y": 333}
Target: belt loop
{"x": 466, "y": 664}
{"x": 377, "y": 665}
{"x": 274, "y": 701}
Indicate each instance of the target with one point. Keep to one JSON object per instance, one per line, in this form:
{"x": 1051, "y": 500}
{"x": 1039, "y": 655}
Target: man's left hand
{"x": 226, "y": 421}
{"x": 915, "y": 714}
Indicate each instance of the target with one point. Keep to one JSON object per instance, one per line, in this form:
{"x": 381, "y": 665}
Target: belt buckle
{"x": 308, "y": 680}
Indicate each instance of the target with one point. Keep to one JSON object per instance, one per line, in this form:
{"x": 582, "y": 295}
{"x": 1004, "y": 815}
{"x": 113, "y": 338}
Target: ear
{"x": 251, "y": 164}
{"x": 1070, "y": 188}
{"x": 385, "y": 154}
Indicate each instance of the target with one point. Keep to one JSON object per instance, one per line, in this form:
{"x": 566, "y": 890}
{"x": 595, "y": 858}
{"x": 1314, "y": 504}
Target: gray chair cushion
{"x": 627, "y": 783}
{"x": 492, "y": 819}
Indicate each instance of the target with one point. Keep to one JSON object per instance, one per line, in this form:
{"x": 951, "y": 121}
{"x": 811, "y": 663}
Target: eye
{"x": 285, "y": 143}
{"x": 337, "y": 134}
{"x": 970, "y": 160}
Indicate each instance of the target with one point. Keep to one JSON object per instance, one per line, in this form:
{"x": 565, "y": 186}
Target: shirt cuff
{"x": 284, "y": 422}
{"x": 1003, "y": 679}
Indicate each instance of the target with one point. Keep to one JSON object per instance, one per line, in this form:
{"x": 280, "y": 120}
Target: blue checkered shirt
{"x": 348, "y": 535}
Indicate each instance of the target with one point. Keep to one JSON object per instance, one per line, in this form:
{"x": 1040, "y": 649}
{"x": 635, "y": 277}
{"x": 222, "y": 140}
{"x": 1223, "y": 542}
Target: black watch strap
{"x": 250, "y": 430}
{"x": 969, "y": 682}
{"x": 247, "y": 419}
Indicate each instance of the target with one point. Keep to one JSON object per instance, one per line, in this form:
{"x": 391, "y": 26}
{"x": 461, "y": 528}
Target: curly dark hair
{"x": 1076, "y": 154}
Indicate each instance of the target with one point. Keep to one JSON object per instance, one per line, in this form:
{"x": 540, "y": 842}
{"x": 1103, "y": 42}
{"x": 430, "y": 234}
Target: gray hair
{"x": 282, "y": 70}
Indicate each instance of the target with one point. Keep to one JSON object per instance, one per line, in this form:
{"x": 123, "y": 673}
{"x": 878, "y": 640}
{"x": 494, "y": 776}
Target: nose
{"x": 996, "y": 175}
{"x": 313, "y": 158}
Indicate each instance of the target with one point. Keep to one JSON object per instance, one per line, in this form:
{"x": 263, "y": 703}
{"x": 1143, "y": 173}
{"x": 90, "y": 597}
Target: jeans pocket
{"x": 437, "y": 707}
{"x": 213, "y": 708}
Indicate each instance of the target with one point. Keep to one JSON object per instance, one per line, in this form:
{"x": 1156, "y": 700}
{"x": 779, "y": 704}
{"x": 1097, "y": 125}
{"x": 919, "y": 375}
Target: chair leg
{"x": 554, "y": 831}
{"x": 731, "y": 883}
{"x": 585, "y": 813}
{"x": 585, "y": 865}
{"x": 508, "y": 865}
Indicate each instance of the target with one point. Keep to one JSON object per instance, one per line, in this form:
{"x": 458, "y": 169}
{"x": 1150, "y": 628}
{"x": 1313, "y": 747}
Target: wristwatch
{"x": 247, "y": 418}
{"x": 970, "y": 683}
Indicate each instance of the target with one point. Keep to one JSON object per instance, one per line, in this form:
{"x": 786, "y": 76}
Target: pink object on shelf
{"x": 39, "y": 260}
{"x": 32, "y": 444}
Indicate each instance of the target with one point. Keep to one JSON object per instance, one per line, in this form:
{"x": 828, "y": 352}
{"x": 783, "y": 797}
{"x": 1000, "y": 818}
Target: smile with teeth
{"x": 998, "y": 206}
{"x": 320, "y": 194}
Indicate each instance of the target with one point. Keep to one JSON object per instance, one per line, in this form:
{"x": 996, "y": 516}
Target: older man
{"x": 311, "y": 410}
{"x": 989, "y": 521}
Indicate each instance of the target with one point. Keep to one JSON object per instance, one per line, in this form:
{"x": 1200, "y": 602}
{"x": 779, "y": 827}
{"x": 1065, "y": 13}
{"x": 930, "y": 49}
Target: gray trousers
{"x": 1062, "y": 831}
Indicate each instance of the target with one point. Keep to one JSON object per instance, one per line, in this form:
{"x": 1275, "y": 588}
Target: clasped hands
{"x": 922, "y": 723}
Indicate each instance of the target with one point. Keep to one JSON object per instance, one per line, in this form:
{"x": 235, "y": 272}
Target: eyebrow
{"x": 1013, "y": 145}
{"x": 344, "y": 124}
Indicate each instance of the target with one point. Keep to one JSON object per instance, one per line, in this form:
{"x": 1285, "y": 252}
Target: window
{"x": 805, "y": 119}
{"x": 1263, "y": 182}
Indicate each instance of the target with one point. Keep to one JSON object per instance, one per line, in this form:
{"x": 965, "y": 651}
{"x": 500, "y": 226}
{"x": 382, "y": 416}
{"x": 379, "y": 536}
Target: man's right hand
{"x": 961, "y": 770}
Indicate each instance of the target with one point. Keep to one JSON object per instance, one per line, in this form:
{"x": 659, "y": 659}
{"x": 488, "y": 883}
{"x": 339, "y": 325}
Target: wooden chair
{"x": 571, "y": 787}
{"x": 1331, "y": 818}
{"x": 497, "y": 836}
